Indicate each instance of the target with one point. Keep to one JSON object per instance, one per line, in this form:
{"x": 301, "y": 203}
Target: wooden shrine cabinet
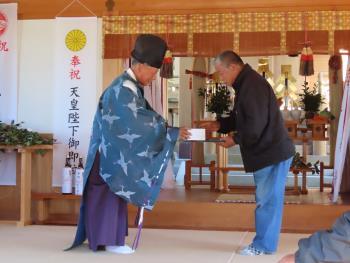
{"x": 318, "y": 129}
{"x": 292, "y": 128}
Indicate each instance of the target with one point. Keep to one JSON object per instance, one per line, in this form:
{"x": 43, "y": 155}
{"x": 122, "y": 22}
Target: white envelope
{"x": 197, "y": 135}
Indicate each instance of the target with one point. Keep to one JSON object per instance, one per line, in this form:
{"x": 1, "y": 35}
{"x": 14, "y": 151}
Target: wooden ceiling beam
{"x": 137, "y": 7}
{"x": 48, "y": 9}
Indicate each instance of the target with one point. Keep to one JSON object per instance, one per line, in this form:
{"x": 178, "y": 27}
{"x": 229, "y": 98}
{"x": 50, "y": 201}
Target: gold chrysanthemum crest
{"x": 75, "y": 40}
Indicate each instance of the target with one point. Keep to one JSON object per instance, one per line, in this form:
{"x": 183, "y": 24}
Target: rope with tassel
{"x": 306, "y": 59}
{"x": 166, "y": 71}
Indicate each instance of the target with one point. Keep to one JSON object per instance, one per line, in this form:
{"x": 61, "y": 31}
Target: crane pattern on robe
{"x": 104, "y": 146}
{"x": 146, "y": 178}
{"x": 125, "y": 194}
{"x": 134, "y": 142}
{"x": 146, "y": 153}
{"x": 135, "y": 146}
{"x": 110, "y": 119}
{"x": 123, "y": 164}
{"x": 129, "y": 137}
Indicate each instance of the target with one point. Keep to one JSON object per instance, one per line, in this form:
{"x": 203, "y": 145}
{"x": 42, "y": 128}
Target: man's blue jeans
{"x": 270, "y": 186}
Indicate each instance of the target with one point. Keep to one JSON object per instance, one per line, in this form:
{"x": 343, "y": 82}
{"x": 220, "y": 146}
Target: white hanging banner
{"x": 8, "y": 84}
{"x": 343, "y": 135}
{"x": 74, "y": 89}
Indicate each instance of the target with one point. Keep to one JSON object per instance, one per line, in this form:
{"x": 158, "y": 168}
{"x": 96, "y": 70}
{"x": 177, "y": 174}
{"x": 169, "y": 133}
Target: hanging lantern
{"x": 306, "y": 62}
{"x": 166, "y": 70}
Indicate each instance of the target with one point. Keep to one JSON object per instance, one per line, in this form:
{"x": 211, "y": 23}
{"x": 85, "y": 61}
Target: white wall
{"x": 35, "y": 91}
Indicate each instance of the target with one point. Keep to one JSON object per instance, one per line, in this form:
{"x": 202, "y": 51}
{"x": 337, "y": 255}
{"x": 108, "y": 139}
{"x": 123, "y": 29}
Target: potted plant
{"x": 217, "y": 100}
{"x": 310, "y": 100}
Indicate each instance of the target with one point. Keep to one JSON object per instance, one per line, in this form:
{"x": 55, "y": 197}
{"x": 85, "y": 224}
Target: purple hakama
{"x": 106, "y": 214}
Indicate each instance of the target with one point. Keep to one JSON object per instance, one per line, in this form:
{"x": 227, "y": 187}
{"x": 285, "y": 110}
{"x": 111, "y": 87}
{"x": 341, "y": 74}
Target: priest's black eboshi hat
{"x": 149, "y": 49}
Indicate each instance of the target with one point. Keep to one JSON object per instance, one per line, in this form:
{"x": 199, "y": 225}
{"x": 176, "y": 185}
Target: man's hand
{"x": 184, "y": 134}
{"x": 228, "y": 142}
{"x": 210, "y": 126}
{"x": 288, "y": 259}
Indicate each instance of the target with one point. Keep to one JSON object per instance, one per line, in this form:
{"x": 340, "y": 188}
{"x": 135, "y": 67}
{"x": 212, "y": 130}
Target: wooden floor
{"x": 202, "y": 194}
{"x": 197, "y": 209}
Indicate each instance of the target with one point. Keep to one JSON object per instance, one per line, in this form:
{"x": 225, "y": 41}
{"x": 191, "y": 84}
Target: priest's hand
{"x": 210, "y": 126}
{"x": 227, "y": 142}
{"x": 288, "y": 259}
{"x": 184, "y": 133}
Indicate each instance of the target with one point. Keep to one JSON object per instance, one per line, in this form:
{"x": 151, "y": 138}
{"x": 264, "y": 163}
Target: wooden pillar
{"x": 42, "y": 210}
{"x": 188, "y": 175}
{"x": 296, "y": 187}
{"x": 199, "y": 64}
{"x": 335, "y": 101}
{"x": 212, "y": 175}
{"x": 321, "y": 176}
{"x": 221, "y": 159}
{"x": 345, "y": 183}
{"x": 26, "y": 186}
{"x": 304, "y": 190}
{"x": 225, "y": 181}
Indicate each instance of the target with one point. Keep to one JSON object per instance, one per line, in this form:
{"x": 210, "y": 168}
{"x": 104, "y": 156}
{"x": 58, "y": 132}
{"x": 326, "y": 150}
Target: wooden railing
{"x": 188, "y": 175}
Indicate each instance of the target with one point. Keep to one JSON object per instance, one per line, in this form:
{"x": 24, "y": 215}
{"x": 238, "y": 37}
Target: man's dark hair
{"x": 229, "y": 57}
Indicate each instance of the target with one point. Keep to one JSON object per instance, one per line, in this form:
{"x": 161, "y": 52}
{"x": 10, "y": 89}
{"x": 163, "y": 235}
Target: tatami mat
{"x": 46, "y": 243}
{"x": 288, "y": 244}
